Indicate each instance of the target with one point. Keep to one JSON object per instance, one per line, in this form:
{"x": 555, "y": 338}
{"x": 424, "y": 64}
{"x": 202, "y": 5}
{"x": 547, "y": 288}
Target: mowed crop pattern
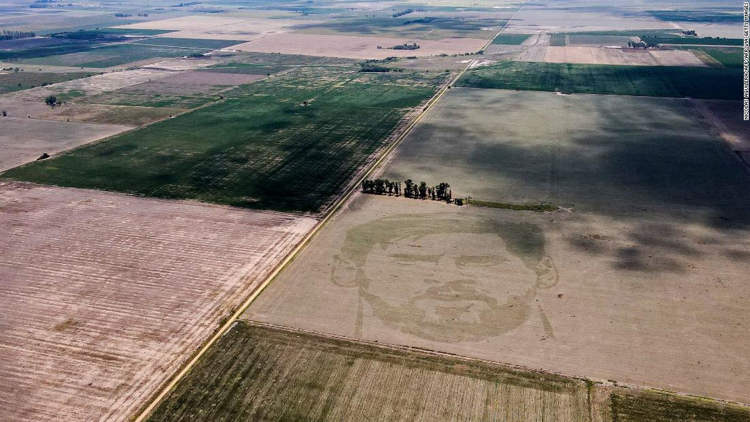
{"x": 287, "y": 143}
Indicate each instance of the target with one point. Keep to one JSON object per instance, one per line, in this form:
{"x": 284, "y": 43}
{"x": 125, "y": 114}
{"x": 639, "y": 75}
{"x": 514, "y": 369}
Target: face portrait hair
{"x": 440, "y": 311}
{"x": 524, "y": 240}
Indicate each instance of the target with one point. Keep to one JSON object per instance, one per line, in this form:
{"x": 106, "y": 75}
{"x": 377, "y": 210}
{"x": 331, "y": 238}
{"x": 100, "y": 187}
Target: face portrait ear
{"x": 546, "y": 273}
{"x": 344, "y": 273}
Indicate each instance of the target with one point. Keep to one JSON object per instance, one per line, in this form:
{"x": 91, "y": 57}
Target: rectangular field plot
{"x": 650, "y": 243}
{"x": 105, "y": 295}
{"x": 581, "y": 294}
{"x": 15, "y": 81}
{"x": 660, "y": 81}
{"x": 306, "y": 377}
{"x": 258, "y": 372}
{"x": 287, "y": 143}
{"x": 358, "y": 47}
{"x": 23, "y": 140}
{"x": 608, "y": 154}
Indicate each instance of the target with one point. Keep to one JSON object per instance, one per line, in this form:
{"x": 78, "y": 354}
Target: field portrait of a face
{"x": 446, "y": 279}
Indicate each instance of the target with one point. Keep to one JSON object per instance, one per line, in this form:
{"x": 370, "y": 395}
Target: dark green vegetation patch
{"x": 104, "y": 48}
{"x": 512, "y": 39}
{"x": 16, "y": 81}
{"x": 661, "y": 407}
{"x": 726, "y": 56}
{"x": 289, "y": 143}
{"x": 670, "y": 39}
{"x": 660, "y": 81}
{"x": 696, "y": 16}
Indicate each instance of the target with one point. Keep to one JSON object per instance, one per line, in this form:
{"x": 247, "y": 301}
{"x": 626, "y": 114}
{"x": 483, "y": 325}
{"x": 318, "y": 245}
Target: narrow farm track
{"x": 329, "y": 213}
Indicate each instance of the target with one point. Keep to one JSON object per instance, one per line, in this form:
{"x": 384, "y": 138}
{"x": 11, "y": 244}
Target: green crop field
{"x": 512, "y": 39}
{"x": 16, "y": 81}
{"x": 671, "y": 39}
{"x": 660, "y": 81}
{"x": 96, "y": 54}
{"x": 727, "y": 56}
{"x": 290, "y": 143}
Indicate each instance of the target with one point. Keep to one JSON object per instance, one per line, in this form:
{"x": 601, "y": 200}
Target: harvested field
{"x": 659, "y": 81}
{"x": 357, "y": 47}
{"x": 621, "y": 56}
{"x": 105, "y": 295}
{"x": 118, "y": 54}
{"x": 16, "y": 81}
{"x": 93, "y": 85}
{"x": 288, "y": 143}
{"x": 340, "y": 379}
{"x": 23, "y": 140}
{"x": 215, "y": 27}
{"x": 187, "y": 90}
{"x": 651, "y": 243}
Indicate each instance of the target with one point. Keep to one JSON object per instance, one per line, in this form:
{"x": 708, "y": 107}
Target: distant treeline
{"x": 14, "y": 35}
{"x": 439, "y": 192}
{"x": 406, "y": 46}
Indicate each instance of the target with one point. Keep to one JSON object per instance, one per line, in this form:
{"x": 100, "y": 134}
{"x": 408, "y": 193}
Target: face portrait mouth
{"x": 453, "y": 302}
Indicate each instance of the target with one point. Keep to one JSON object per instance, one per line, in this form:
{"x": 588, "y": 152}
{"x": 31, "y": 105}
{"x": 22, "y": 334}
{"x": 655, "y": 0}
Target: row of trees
{"x": 439, "y": 192}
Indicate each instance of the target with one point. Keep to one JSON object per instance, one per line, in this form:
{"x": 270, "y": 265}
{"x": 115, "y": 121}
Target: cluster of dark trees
{"x": 439, "y": 192}
{"x": 15, "y": 35}
{"x": 641, "y": 44}
{"x": 690, "y": 32}
{"x": 406, "y": 46}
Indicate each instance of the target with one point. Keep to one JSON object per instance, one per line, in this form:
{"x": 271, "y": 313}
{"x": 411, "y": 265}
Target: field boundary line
{"x": 163, "y": 392}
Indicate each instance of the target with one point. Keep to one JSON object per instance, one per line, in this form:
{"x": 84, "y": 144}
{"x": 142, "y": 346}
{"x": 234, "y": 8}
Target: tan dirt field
{"x": 356, "y": 47}
{"x": 618, "y": 56}
{"x": 90, "y": 86}
{"x": 105, "y": 295}
{"x": 726, "y": 117}
{"x": 180, "y": 63}
{"x": 23, "y": 139}
{"x": 648, "y": 302}
{"x": 216, "y": 27}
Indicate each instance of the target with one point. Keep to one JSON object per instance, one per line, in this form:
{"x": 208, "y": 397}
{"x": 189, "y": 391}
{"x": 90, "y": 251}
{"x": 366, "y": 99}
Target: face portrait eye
{"x": 477, "y": 260}
{"x": 410, "y": 259}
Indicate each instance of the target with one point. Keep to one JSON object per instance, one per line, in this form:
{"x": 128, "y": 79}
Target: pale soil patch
{"x": 560, "y": 19}
{"x": 105, "y": 295}
{"x": 23, "y": 139}
{"x": 647, "y": 302}
{"x": 536, "y": 49}
{"x": 179, "y": 64}
{"x": 620, "y": 56}
{"x": 356, "y": 47}
{"x": 726, "y": 117}
{"x": 216, "y": 27}
{"x": 195, "y": 82}
{"x": 91, "y": 85}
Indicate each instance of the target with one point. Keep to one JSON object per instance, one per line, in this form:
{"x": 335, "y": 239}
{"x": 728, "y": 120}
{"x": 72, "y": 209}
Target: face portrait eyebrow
{"x": 406, "y": 258}
{"x": 478, "y": 260}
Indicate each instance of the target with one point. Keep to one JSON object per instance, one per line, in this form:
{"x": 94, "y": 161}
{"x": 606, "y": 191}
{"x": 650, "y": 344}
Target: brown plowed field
{"x": 104, "y": 295}
{"x": 356, "y": 47}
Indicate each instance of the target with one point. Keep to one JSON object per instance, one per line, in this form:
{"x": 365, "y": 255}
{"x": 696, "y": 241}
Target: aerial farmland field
{"x": 335, "y": 210}
{"x": 104, "y": 295}
{"x": 287, "y": 143}
{"x": 334, "y": 379}
{"x": 659, "y": 81}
